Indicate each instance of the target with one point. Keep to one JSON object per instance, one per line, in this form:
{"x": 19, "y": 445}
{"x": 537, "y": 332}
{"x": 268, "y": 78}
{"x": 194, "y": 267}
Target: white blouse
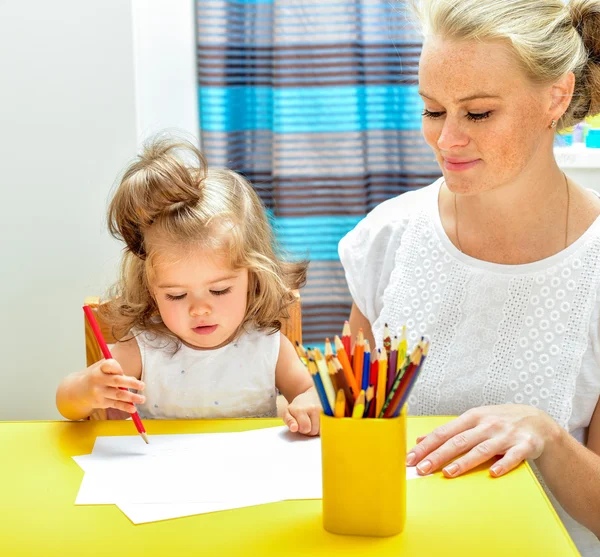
{"x": 524, "y": 334}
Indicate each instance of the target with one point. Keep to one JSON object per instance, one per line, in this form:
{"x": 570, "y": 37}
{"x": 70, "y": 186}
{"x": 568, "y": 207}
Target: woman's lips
{"x": 205, "y": 329}
{"x": 457, "y": 165}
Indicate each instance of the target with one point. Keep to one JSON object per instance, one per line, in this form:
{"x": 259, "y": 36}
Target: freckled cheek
{"x": 431, "y": 133}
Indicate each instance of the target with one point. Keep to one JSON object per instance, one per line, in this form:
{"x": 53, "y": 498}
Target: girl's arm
{"x": 98, "y": 385}
{"x": 359, "y": 321}
{"x": 572, "y": 473}
{"x": 295, "y": 384}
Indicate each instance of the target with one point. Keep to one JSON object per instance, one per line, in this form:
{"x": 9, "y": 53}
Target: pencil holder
{"x": 364, "y": 475}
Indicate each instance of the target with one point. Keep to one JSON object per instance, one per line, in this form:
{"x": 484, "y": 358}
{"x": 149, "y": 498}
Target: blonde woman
{"x": 199, "y": 304}
{"x": 498, "y": 262}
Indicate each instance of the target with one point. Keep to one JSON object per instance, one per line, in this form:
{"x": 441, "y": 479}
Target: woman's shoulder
{"x": 401, "y": 208}
{"x": 389, "y": 219}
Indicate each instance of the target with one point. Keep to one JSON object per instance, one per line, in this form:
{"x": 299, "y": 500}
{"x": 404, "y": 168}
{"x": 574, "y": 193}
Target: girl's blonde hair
{"x": 550, "y": 38}
{"x": 170, "y": 190}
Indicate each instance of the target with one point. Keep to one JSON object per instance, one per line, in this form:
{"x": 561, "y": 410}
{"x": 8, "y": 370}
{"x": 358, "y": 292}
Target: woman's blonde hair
{"x": 550, "y": 38}
{"x": 170, "y": 190}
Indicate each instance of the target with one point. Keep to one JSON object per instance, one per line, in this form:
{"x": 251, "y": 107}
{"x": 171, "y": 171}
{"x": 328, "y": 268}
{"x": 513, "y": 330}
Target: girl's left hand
{"x": 517, "y": 431}
{"x": 303, "y": 413}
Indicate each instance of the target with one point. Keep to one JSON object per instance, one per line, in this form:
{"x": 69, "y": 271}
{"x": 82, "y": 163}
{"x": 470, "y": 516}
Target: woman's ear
{"x": 561, "y": 93}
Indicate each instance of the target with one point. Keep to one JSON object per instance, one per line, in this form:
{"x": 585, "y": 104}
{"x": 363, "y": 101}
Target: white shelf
{"x": 577, "y": 156}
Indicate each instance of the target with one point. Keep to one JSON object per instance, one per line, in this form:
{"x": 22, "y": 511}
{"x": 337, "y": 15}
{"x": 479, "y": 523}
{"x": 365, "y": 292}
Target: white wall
{"x": 67, "y": 127}
{"x": 82, "y": 83}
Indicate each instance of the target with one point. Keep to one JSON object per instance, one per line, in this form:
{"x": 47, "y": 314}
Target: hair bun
{"x": 585, "y": 16}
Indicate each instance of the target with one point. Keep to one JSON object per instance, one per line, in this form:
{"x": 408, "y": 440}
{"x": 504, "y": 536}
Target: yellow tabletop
{"x": 470, "y": 515}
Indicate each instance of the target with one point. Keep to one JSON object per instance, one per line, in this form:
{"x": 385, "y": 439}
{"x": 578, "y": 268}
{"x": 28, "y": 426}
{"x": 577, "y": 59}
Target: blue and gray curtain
{"x": 315, "y": 102}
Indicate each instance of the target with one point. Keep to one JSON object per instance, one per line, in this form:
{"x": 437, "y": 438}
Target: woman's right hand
{"x": 102, "y": 383}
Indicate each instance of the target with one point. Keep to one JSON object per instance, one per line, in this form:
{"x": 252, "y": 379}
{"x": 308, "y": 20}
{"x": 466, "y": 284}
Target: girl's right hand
{"x": 102, "y": 382}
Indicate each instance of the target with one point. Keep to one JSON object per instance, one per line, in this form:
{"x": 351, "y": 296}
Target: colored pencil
{"x": 340, "y": 404}
{"x": 381, "y": 383}
{"x": 401, "y": 382}
{"x": 358, "y": 357}
{"x": 366, "y": 370}
{"x": 314, "y": 371}
{"x": 392, "y": 365}
{"x": 341, "y": 381}
{"x": 343, "y": 359}
{"x": 347, "y": 337}
{"x": 412, "y": 381}
{"x": 107, "y": 355}
{"x": 387, "y": 340}
{"x": 359, "y": 406}
{"x": 324, "y": 373}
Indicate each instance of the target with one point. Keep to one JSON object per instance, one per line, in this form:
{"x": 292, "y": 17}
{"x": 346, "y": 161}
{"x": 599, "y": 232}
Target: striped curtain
{"x": 315, "y": 102}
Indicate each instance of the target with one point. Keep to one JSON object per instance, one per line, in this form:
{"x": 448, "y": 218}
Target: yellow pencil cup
{"x": 364, "y": 475}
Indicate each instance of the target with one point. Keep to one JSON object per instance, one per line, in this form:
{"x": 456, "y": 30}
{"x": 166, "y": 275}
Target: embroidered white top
{"x": 234, "y": 381}
{"x": 525, "y": 334}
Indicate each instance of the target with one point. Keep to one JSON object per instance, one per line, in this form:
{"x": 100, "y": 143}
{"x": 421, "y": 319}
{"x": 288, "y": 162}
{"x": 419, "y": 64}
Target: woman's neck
{"x": 515, "y": 223}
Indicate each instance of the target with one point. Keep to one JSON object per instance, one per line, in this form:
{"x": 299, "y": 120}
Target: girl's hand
{"x": 303, "y": 413}
{"x": 516, "y": 431}
{"x": 101, "y": 382}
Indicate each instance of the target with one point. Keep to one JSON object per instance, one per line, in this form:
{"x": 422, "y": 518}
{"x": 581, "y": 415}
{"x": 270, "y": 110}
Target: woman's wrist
{"x": 556, "y": 441}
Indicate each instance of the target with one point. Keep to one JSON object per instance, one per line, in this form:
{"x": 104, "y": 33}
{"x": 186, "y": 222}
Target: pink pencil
{"x": 107, "y": 355}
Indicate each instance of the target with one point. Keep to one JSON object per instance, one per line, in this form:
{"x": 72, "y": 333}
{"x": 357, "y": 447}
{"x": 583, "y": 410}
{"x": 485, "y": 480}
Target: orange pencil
{"x": 343, "y": 359}
{"x": 358, "y": 358}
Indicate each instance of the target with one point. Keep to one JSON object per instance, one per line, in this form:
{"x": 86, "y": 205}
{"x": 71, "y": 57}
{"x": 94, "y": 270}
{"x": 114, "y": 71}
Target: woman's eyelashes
{"x": 175, "y": 297}
{"x": 473, "y": 116}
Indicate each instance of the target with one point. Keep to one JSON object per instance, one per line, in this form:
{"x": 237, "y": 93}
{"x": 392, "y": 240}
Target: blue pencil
{"x": 366, "y": 367}
{"x": 314, "y": 371}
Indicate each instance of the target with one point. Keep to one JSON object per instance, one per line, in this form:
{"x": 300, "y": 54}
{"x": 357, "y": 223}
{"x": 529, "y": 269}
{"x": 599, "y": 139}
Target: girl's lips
{"x": 205, "y": 329}
{"x": 459, "y": 166}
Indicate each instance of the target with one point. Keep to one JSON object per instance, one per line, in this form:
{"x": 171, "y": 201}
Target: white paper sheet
{"x": 180, "y": 475}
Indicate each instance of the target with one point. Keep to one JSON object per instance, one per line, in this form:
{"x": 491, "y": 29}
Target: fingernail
{"x": 496, "y": 470}
{"x": 424, "y": 466}
{"x": 411, "y": 458}
{"x": 452, "y": 469}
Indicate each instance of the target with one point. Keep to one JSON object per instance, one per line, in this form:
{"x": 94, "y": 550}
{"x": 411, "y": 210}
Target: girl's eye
{"x": 478, "y": 117}
{"x": 428, "y": 114}
{"x": 171, "y": 297}
{"x": 221, "y": 292}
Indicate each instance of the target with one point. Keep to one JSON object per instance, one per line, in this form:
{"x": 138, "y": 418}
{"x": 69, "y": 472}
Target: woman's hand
{"x": 517, "y": 431}
{"x": 303, "y": 413}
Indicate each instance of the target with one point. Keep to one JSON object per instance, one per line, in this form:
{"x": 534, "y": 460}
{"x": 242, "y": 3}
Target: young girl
{"x": 199, "y": 304}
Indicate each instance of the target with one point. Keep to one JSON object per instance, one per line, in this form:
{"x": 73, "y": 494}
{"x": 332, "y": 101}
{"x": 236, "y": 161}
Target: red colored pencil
{"x": 347, "y": 338}
{"x": 107, "y": 355}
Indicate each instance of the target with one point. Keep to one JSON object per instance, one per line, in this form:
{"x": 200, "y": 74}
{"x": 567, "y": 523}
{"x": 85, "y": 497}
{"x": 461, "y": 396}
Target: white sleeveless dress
{"x": 525, "y": 334}
{"x": 234, "y": 381}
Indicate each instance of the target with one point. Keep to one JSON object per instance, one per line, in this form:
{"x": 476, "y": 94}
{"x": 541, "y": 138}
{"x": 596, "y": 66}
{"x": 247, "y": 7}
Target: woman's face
{"x": 485, "y": 120}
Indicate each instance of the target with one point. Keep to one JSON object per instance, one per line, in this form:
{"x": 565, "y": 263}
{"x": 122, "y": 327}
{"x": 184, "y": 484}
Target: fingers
{"x": 112, "y": 376}
{"x": 303, "y": 420}
{"x": 439, "y": 436}
{"x": 290, "y": 421}
{"x": 455, "y": 446}
{"x": 112, "y": 394}
{"x": 509, "y": 461}
{"x": 477, "y": 455}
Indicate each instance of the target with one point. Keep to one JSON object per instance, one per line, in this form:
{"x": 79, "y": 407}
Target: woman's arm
{"x": 572, "y": 472}
{"x": 359, "y": 321}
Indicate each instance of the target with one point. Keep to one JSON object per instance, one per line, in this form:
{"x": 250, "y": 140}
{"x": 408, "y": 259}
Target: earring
{"x": 552, "y": 124}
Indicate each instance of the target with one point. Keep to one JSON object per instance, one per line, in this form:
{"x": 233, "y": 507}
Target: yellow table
{"x": 472, "y": 515}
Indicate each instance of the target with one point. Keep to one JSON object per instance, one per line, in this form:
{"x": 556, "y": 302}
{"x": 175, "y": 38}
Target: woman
{"x": 498, "y": 262}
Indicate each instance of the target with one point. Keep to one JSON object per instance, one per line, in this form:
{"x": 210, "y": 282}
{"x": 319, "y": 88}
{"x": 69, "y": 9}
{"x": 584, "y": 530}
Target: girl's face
{"x": 483, "y": 118}
{"x": 200, "y": 297}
